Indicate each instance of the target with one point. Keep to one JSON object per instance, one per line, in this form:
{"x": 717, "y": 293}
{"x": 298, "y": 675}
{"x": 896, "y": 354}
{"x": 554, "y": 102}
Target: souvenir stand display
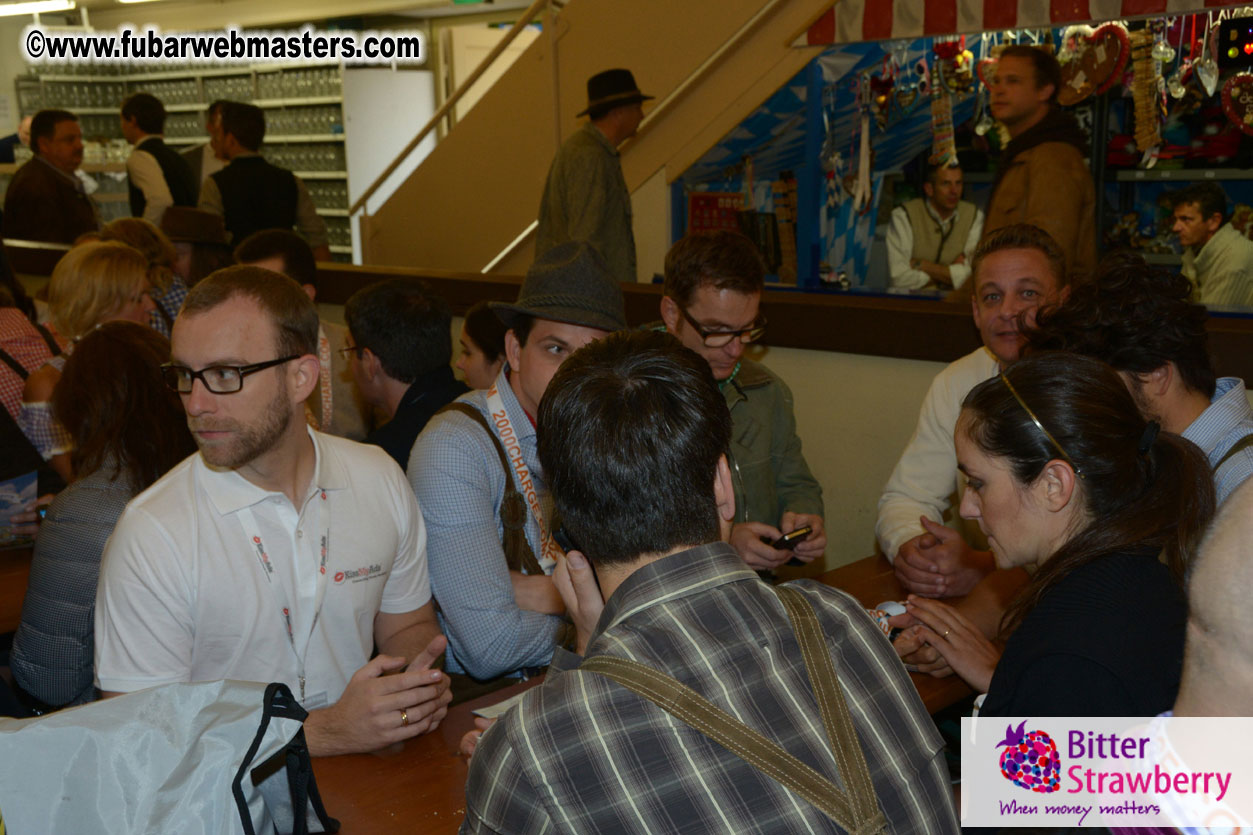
{"x": 816, "y": 169}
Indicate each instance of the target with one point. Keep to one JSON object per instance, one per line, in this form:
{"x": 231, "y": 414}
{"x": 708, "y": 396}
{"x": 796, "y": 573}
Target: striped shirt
{"x": 1219, "y": 428}
{"x": 582, "y": 754}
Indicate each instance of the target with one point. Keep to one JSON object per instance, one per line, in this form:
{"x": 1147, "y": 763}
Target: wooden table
{"x": 415, "y": 787}
{"x": 420, "y": 786}
{"x": 872, "y": 581}
{"x": 14, "y": 574}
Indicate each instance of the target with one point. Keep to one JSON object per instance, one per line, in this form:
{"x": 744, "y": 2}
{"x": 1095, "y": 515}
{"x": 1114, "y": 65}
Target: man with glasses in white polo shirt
{"x": 712, "y": 303}
{"x": 276, "y": 553}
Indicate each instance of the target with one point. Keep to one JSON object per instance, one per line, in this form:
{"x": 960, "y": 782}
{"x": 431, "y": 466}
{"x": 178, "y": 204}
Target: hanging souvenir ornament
{"x": 881, "y": 98}
{"x": 985, "y": 122}
{"x": 1144, "y": 92}
{"x": 1238, "y": 101}
{"x": 957, "y": 64}
{"x": 1162, "y": 51}
{"x": 943, "y": 139}
{"x": 1206, "y": 68}
{"x": 1096, "y": 63}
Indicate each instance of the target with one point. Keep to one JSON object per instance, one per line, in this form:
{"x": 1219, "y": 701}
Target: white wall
{"x": 650, "y": 223}
{"x": 384, "y": 109}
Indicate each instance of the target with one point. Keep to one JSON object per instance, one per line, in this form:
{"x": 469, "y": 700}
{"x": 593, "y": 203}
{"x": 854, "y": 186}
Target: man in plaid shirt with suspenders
{"x": 784, "y": 709}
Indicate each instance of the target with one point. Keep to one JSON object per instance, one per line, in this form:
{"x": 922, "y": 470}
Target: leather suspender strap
{"x": 518, "y": 553}
{"x": 855, "y": 810}
{"x": 836, "y": 718}
{"x": 1239, "y": 446}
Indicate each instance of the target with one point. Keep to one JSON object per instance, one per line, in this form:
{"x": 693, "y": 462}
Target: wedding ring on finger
{"x": 404, "y": 717}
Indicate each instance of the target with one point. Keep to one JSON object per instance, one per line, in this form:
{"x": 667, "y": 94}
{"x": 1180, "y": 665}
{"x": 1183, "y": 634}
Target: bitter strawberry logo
{"x": 1030, "y": 760}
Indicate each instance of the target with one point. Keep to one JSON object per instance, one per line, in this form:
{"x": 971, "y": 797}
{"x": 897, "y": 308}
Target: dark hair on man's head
{"x": 245, "y": 122}
{"x": 147, "y": 111}
{"x": 522, "y": 324}
{"x": 724, "y": 260}
{"x": 298, "y": 260}
{"x": 630, "y": 431}
{"x": 484, "y": 327}
{"x": 404, "y": 324}
{"x": 117, "y": 409}
{"x": 215, "y": 107}
{"x": 1209, "y": 198}
{"x": 289, "y": 308}
{"x": 44, "y": 125}
{"x": 1134, "y": 316}
{"x": 1022, "y": 236}
{"x": 933, "y": 171}
{"x": 1161, "y": 500}
{"x": 1047, "y": 70}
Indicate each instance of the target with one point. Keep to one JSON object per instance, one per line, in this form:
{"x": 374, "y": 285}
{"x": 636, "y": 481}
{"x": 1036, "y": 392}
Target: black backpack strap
{"x": 513, "y": 510}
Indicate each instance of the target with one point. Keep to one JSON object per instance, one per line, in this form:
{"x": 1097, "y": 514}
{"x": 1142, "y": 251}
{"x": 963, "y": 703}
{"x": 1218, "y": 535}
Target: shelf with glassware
{"x": 302, "y": 105}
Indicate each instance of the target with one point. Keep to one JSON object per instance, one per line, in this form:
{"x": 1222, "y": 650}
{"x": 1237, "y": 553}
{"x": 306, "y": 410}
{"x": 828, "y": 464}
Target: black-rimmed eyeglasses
{"x": 718, "y": 339}
{"x": 218, "y": 379}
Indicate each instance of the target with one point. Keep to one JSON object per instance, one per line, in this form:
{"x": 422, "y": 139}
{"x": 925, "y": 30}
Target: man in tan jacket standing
{"x": 1043, "y": 179}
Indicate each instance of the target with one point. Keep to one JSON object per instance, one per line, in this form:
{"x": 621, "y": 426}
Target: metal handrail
{"x": 521, "y": 23}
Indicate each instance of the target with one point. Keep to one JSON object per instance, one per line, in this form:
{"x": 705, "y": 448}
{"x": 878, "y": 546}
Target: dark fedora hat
{"x": 569, "y": 283}
{"x": 612, "y": 88}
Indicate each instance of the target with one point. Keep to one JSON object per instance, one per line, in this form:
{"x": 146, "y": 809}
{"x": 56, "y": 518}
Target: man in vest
{"x": 251, "y": 194}
{"x": 932, "y": 239}
{"x": 158, "y": 176}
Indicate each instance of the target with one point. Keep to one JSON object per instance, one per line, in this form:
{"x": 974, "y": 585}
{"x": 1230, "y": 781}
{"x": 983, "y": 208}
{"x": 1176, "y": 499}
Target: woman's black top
{"x": 1106, "y": 640}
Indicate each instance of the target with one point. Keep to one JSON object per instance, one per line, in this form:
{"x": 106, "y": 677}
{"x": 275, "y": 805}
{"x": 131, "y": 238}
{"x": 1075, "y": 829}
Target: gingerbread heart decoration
{"x": 1098, "y": 59}
{"x": 1238, "y": 101}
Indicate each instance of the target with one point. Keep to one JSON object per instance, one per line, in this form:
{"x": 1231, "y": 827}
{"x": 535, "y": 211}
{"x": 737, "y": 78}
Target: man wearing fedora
{"x": 491, "y": 545}
{"x": 586, "y": 196}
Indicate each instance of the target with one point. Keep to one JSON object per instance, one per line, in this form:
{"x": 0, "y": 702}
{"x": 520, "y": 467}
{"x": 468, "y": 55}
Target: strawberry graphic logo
{"x": 1030, "y": 760}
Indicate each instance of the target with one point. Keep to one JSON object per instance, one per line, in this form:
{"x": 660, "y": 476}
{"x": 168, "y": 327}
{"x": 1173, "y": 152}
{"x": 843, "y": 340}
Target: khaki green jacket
{"x": 767, "y": 468}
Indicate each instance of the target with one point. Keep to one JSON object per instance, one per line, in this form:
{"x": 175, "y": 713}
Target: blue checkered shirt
{"x": 581, "y": 754}
{"x": 456, "y": 474}
{"x": 1219, "y": 428}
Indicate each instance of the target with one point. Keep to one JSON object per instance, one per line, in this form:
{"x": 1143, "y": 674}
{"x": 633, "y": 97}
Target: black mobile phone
{"x": 786, "y": 541}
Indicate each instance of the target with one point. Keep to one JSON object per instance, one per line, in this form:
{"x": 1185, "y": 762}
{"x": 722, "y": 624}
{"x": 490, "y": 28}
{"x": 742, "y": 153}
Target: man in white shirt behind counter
{"x": 932, "y": 239}
{"x": 277, "y": 553}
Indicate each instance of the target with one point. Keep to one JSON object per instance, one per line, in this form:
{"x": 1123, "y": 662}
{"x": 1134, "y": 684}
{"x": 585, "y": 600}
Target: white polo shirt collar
{"x": 230, "y": 492}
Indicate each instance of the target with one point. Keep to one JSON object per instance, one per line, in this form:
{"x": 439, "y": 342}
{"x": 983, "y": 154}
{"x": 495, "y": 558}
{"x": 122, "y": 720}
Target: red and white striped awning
{"x": 876, "y": 20}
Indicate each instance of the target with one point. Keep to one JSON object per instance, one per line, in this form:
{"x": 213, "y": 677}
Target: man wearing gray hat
{"x": 475, "y": 470}
{"x": 586, "y": 196}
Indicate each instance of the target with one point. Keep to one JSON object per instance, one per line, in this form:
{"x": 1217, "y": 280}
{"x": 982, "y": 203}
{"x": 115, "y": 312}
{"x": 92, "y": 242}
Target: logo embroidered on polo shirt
{"x": 357, "y": 575}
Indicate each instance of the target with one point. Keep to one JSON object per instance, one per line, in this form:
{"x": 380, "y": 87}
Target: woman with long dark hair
{"x": 128, "y": 429}
{"x": 1064, "y": 473}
